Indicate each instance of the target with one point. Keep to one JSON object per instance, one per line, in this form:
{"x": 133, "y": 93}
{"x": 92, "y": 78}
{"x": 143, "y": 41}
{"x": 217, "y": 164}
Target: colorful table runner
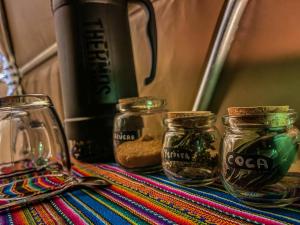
{"x": 151, "y": 199}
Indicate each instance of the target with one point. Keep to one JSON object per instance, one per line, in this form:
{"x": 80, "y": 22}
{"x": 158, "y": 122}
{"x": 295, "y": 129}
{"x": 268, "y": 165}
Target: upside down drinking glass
{"x": 32, "y": 143}
{"x": 31, "y": 136}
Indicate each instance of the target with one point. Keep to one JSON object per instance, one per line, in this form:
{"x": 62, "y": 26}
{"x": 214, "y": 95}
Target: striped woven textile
{"x": 151, "y": 199}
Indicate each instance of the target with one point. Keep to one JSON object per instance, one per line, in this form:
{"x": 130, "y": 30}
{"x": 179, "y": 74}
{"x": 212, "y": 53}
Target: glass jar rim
{"x": 267, "y": 119}
{"x": 24, "y": 101}
{"x": 190, "y": 119}
{"x": 146, "y": 103}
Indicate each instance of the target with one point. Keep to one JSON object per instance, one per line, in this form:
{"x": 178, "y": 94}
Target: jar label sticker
{"x": 123, "y": 136}
{"x": 176, "y": 154}
{"x": 249, "y": 162}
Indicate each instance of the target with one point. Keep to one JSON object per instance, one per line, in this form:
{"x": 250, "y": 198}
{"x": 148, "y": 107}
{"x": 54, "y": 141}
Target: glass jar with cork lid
{"x": 260, "y": 157}
{"x": 138, "y": 133}
{"x": 190, "y": 153}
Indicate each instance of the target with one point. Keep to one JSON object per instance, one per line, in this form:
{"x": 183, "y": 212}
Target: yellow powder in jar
{"x": 143, "y": 152}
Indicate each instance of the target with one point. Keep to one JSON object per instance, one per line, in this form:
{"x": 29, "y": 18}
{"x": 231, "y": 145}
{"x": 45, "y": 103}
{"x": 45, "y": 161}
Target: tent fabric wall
{"x": 262, "y": 67}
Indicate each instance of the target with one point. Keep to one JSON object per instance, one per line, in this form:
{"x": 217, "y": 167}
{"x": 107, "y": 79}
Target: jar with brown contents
{"x": 138, "y": 134}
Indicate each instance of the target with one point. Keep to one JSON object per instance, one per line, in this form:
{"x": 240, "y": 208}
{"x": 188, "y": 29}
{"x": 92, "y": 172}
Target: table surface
{"x": 150, "y": 199}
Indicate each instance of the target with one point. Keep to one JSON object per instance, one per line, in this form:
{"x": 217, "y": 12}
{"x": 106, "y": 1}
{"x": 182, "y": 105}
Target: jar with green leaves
{"x": 191, "y": 148}
{"x": 260, "y": 157}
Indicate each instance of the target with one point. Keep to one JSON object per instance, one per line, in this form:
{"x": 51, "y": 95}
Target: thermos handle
{"x": 152, "y": 34}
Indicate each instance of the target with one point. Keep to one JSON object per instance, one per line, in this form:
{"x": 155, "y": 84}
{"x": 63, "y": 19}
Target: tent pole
{"x": 223, "y": 36}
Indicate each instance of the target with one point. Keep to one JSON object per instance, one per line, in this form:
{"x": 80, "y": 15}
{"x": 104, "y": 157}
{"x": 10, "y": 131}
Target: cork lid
{"x": 190, "y": 119}
{"x": 256, "y": 110}
{"x": 187, "y": 114}
{"x": 271, "y": 116}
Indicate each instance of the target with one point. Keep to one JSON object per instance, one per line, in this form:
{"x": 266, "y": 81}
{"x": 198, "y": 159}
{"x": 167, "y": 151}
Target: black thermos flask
{"x": 97, "y": 68}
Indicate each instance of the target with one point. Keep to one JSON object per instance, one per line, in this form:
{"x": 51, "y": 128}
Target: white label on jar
{"x": 250, "y": 162}
{"x": 176, "y": 154}
{"x": 126, "y": 136}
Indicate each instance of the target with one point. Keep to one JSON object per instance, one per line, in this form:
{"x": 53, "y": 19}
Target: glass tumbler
{"x": 31, "y": 138}
{"x": 260, "y": 158}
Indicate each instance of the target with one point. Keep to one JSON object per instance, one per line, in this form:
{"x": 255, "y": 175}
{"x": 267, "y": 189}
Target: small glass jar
{"x": 260, "y": 158}
{"x": 191, "y": 148}
{"x": 138, "y": 134}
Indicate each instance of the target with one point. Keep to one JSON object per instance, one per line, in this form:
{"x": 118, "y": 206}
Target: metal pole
{"x": 224, "y": 35}
{"x": 39, "y": 59}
